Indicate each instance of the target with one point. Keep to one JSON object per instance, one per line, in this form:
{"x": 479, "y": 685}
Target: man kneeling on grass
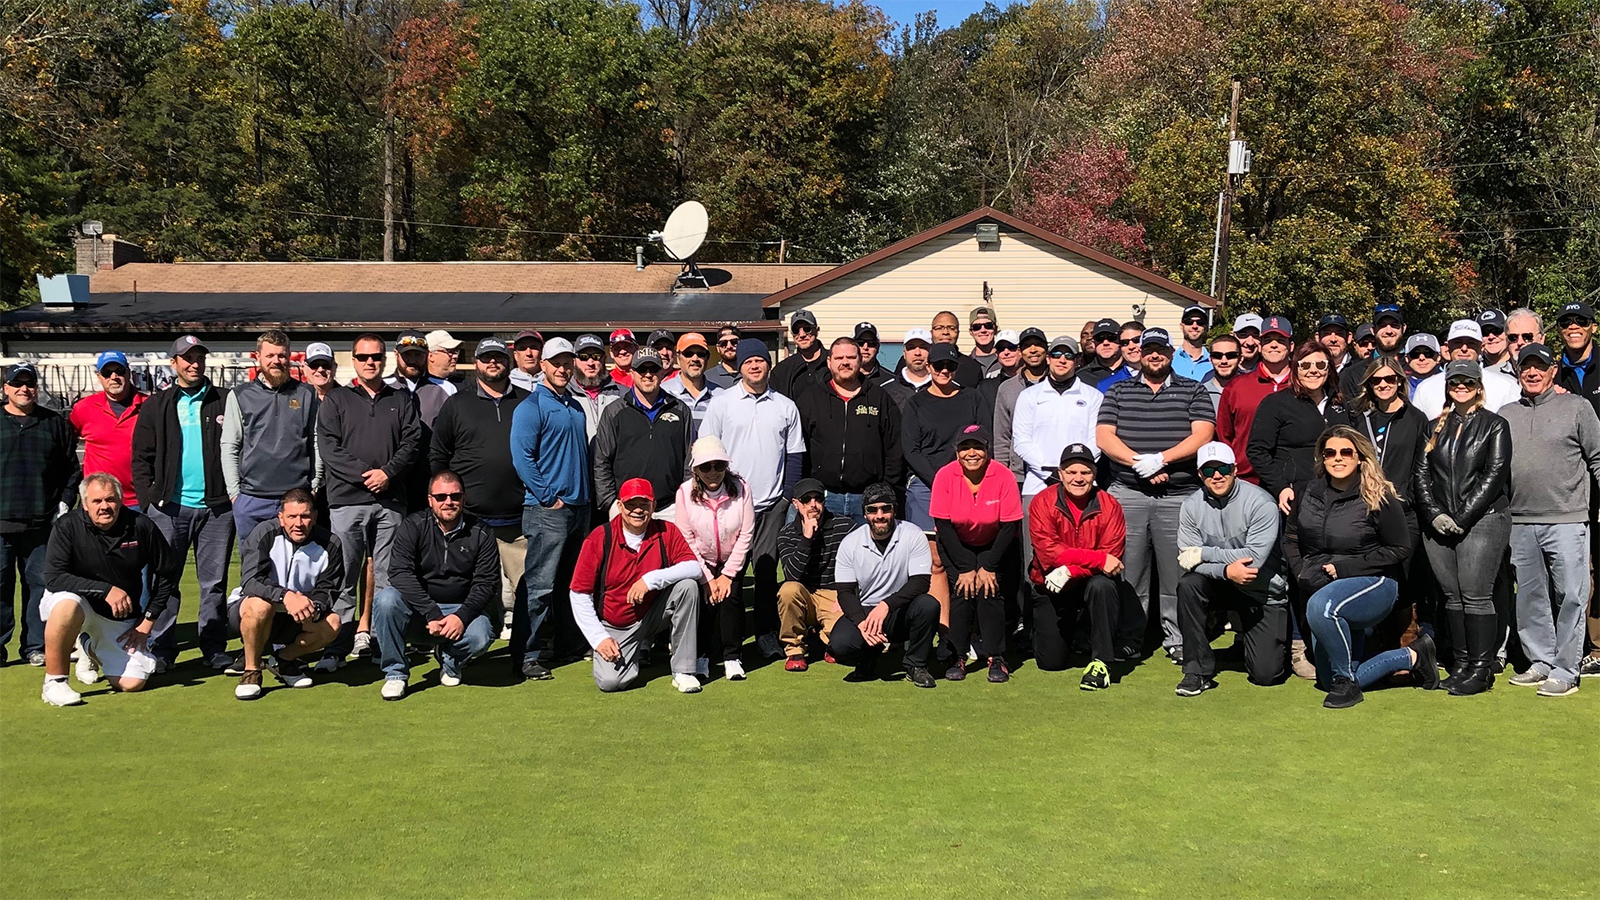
{"x": 636, "y": 577}
{"x": 1229, "y": 551}
{"x": 444, "y": 569}
{"x": 293, "y": 572}
{"x": 881, "y": 575}
{"x": 93, "y": 574}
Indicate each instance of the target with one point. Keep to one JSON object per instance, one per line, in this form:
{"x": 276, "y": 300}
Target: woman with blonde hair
{"x": 1347, "y": 543}
{"x": 1462, "y": 497}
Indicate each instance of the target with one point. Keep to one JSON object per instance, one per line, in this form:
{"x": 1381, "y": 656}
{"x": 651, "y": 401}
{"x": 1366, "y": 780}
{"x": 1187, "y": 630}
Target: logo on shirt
{"x": 294, "y": 403}
{"x": 866, "y": 410}
{"x": 219, "y": 420}
{"x": 128, "y": 545}
{"x": 670, "y": 417}
{"x": 1080, "y": 403}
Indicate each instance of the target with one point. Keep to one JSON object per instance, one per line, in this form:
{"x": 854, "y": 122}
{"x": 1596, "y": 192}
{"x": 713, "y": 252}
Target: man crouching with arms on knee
{"x": 93, "y": 575}
{"x": 293, "y": 572}
{"x": 882, "y": 575}
{"x": 636, "y": 577}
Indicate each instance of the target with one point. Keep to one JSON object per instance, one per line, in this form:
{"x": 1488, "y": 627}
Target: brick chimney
{"x": 105, "y": 251}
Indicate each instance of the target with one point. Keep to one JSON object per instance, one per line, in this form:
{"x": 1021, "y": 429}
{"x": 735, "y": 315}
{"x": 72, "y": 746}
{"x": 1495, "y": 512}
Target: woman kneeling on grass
{"x": 714, "y": 513}
{"x": 975, "y": 509}
{"x": 1347, "y": 543}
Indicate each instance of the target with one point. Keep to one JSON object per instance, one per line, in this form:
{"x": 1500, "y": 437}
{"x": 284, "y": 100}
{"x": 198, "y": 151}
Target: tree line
{"x": 1444, "y": 154}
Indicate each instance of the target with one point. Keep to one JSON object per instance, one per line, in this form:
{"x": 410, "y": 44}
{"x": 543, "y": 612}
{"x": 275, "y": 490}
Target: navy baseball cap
{"x": 1195, "y": 311}
{"x": 491, "y": 345}
{"x": 1535, "y": 351}
{"x": 17, "y": 370}
{"x": 1156, "y": 336}
{"x": 1333, "y": 320}
{"x": 1387, "y": 311}
{"x": 1278, "y": 325}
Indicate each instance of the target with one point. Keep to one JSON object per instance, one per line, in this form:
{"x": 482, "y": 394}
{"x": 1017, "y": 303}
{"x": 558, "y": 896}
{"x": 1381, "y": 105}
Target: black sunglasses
{"x": 367, "y": 357}
{"x": 715, "y": 465}
{"x": 1211, "y": 470}
{"x": 696, "y": 353}
{"x": 1338, "y": 453}
{"x": 1527, "y": 337}
{"x": 1422, "y": 354}
{"x": 25, "y": 383}
{"x": 1568, "y": 321}
{"x": 1060, "y": 353}
{"x": 982, "y": 326}
{"x": 943, "y": 366}
{"x": 1223, "y": 354}
{"x": 1129, "y": 342}
{"x": 453, "y": 495}
{"x": 728, "y": 342}
{"x": 881, "y": 508}
{"x": 1384, "y": 379}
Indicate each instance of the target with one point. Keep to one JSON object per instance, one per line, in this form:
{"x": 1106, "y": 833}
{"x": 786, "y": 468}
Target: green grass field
{"x": 794, "y": 785}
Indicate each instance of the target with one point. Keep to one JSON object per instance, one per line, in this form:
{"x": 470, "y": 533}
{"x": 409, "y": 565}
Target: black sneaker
{"x": 957, "y": 672}
{"x": 998, "y": 673}
{"x": 1096, "y": 677}
{"x": 1344, "y": 694}
{"x": 533, "y": 670}
{"x": 920, "y": 677}
{"x": 1589, "y": 666}
{"x": 1126, "y": 653}
{"x": 1194, "y": 686}
{"x": 863, "y": 673}
{"x": 236, "y": 667}
{"x": 1176, "y": 655}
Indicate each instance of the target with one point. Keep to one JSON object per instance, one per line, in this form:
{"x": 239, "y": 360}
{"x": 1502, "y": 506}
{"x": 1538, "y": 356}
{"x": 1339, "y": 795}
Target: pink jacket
{"x": 718, "y": 529}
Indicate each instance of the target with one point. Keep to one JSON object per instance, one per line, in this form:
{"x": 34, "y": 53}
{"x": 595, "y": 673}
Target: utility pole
{"x": 388, "y": 187}
{"x": 1235, "y": 169}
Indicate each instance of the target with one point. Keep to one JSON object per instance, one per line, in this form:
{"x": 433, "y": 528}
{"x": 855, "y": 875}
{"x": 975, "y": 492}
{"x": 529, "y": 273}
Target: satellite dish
{"x": 93, "y": 228}
{"x": 685, "y": 230}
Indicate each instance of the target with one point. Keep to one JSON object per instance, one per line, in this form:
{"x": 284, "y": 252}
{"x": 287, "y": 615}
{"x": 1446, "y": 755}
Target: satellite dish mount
{"x": 682, "y": 236}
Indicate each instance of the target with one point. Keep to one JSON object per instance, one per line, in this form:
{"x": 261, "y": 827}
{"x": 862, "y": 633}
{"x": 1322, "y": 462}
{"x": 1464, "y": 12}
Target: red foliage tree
{"x": 1074, "y": 193}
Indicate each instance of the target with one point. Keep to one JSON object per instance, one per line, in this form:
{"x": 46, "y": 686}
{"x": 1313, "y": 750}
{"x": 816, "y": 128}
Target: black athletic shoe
{"x": 868, "y": 672}
{"x": 1126, "y": 653}
{"x": 957, "y": 672}
{"x": 1176, "y": 655}
{"x": 1096, "y": 677}
{"x": 998, "y": 673}
{"x": 1344, "y": 694}
{"x": 236, "y": 667}
{"x": 534, "y": 671}
{"x": 1194, "y": 686}
{"x": 920, "y": 677}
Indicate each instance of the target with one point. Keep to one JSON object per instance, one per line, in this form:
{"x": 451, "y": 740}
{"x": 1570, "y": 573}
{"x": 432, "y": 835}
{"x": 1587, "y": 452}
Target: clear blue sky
{"x": 951, "y": 12}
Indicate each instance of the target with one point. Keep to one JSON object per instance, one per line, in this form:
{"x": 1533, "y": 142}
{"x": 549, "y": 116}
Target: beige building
{"x": 1029, "y": 276}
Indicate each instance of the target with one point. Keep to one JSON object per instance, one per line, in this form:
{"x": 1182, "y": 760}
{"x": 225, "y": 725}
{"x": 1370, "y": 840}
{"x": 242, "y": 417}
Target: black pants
{"x": 1265, "y": 635}
{"x": 989, "y": 611}
{"x": 913, "y": 624}
{"x": 722, "y": 626}
{"x": 1055, "y": 618}
{"x": 764, "y": 562}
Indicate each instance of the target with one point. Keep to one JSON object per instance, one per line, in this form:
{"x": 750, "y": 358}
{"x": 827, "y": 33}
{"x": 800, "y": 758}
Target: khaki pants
{"x": 799, "y": 608}
{"x": 513, "y": 558}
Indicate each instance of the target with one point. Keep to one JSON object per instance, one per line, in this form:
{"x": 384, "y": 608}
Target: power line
{"x": 1448, "y": 167}
{"x": 620, "y": 237}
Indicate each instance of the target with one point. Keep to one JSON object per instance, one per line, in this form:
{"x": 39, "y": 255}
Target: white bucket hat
{"x": 708, "y": 449}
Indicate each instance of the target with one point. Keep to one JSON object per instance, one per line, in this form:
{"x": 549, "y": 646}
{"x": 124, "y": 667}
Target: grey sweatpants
{"x": 364, "y": 529}
{"x": 1551, "y": 628}
{"x": 678, "y": 607}
{"x": 1152, "y": 541}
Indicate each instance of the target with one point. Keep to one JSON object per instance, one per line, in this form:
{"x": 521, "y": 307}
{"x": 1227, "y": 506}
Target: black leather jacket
{"x": 1466, "y": 473}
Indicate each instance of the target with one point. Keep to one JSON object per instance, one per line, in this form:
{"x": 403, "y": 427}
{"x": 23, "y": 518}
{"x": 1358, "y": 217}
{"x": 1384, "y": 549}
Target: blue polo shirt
{"x": 550, "y": 448}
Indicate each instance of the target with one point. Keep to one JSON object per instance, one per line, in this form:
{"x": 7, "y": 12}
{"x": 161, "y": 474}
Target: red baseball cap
{"x": 623, "y": 336}
{"x": 634, "y": 488}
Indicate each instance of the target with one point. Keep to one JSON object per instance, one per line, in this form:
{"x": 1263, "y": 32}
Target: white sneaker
{"x": 733, "y": 669}
{"x": 249, "y": 687}
{"x": 87, "y": 667}
{"x": 686, "y": 684}
{"x": 393, "y": 689}
{"x": 702, "y": 667}
{"x": 448, "y": 680}
{"x": 769, "y": 646}
{"x": 363, "y": 644}
{"x": 505, "y": 633}
{"x": 59, "y": 693}
{"x": 291, "y": 672}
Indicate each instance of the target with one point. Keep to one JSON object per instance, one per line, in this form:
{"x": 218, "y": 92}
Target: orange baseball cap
{"x": 693, "y": 339}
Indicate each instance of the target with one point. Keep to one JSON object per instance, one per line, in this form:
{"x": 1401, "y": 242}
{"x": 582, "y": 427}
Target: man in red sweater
{"x": 1236, "y": 411}
{"x": 105, "y": 422}
{"x": 636, "y": 576}
{"x": 1078, "y": 535}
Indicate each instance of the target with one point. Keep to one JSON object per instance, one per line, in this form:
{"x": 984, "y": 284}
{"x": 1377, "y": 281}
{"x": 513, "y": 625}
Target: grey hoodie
{"x": 1243, "y": 523}
{"x": 1555, "y": 450}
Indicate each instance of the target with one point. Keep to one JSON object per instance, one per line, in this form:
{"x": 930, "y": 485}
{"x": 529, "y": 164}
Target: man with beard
{"x": 411, "y": 353}
{"x": 1150, "y": 429}
{"x": 1224, "y": 367}
{"x": 269, "y": 437}
{"x": 1191, "y": 359}
{"x": 1333, "y": 333}
{"x": 807, "y": 365}
{"x": 591, "y": 385}
{"x": 1240, "y": 400}
{"x": 1387, "y": 332}
{"x": 725, "y": 373}
{"x": 852, "y": 431}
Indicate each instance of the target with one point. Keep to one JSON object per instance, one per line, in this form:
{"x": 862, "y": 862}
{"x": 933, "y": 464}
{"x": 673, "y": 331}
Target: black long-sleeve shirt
{"x": 850, "y": 597}
{"x": 357, "y": 431}
{"x": 431, "y": 568}
{"x": 38, "y": 467}
{"x": 472, "y": 437}
{"x": 933, "y": 424}
{"x": 84, "y": 560}
{"x": 959, "y": 556}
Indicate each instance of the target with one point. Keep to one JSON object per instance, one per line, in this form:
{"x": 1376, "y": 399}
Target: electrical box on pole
{"x": 1238, "y": 158}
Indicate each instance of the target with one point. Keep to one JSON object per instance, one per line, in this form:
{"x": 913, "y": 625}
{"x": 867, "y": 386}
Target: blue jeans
{"x": 554, "y": 538}
{"x": 1338, "y": 614}
{"x": 847, "y": 505}
{"x": 248, "y": 512}
{"x": 22, "y": 554}
{"x": 394, "y": 623}
{"x": 210, "y": 533}
{"x": 1552, "y": 628}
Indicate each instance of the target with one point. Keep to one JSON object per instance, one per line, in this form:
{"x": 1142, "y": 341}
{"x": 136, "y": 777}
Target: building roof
{"x": 989, "y": 214}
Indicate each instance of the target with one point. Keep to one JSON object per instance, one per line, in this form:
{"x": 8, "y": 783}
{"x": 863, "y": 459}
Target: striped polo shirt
{"x": 1152, "y": 421}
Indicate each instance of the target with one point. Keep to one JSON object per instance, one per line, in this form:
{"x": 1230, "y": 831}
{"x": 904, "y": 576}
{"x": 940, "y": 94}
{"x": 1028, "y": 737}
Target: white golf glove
{"x": 1148, "y": 464}
{"x": 1188, "y": 558}
{"x": 1057, "y": 579}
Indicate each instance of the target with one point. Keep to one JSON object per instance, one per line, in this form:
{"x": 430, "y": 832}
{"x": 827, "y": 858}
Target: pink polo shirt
{"x": 976, "y": 515}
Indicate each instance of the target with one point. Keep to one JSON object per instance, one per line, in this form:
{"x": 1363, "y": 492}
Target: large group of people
{"x": 1359, "y": 506}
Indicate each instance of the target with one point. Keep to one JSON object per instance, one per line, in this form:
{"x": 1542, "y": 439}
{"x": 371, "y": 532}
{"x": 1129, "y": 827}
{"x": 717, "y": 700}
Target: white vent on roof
{"x": 64, "y": 291}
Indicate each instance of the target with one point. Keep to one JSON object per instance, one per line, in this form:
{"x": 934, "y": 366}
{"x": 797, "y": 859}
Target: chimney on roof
{"x": 99, "y": 252}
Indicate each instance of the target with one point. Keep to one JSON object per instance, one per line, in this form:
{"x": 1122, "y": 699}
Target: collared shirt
{"x": 1151, "y": 421}
{"x": 550, "y": 448}
{"x": 1191, "y": 367}
{"x": 190, "y": 489}
{"x": 1046, "y": 420}
{"x": 760, "y": 431}
{"x": 697, "y": 405}
{"x": 878, "y": 574}
{"x": 975, "y": 511}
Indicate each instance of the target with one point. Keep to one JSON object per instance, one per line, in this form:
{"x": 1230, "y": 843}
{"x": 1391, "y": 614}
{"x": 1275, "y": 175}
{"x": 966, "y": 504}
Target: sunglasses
{"x": 1570, "y": 321}
{"x": 1455, "y": 383}
{"x": 696, "y": 353}
{"x": 728, "y": 342}
{"x": 1107, "y": 339}
{"x": 648, "y": 371}
{"x": 881, "y": 508}
{"x": 715, "y": 465}
{"x": 1312, "y": 365}
{"x": 1422, "y": 354}
{"x": 1129, "y": 342}
{"x": 367, "y": 357}
{"x": 1526, "y": 337}
{"x": 1212, "y": 470}
{"x": 943, "y": 367}
{"x": 114, "y": 372}
{"x": 1194, "y": 321}
{"x": 1060, "y": 353}
{"x": 452, "y": 497}
{"x": 320, "y": 366}
{"x": 1338, "y": 453}
{"x": 811, "y": 498}
{"x": 982, "y": 326}
{"x": 1367, "y": 342}
{"x": 1384, "y": 379}
{"x": 27, "y": 384}
{"x": 802, "y": 329}
{"x": 868, "y": 342}
{"x": 1223, "y": 354}
{"x": 1493, "y": 332}
{"x": 589, "y": 357}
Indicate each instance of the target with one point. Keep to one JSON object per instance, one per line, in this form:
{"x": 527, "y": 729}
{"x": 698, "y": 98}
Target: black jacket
{"x": 629, "y": 444}
{"x": 1587, "y": 387}
{"x": 430, "y": 568}
{"x": 1097, "y": 371}
{"x": 357, "y": 431}
{"x": 1327, "y": 525}
{"x": 158, "y": 447}
{"x": 269, "y": 558}
{"x": 89, "y": 562}
{"x": 793, "y": 376}
{"x": 38, "y": 466}
{"x": 1466, "y": 474}
{"x": 853, "y": 443}
{"x": 472, "y": 437}
{"x": 932, "y": 425}
{"x": 1283, "y": 439}
{"x": 1399, "y": 438}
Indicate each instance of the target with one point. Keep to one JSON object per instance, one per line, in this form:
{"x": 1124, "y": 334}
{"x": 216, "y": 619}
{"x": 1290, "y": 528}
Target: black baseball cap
{"x": 881, "y": 492}
{"x": 588, "y": 342}
{"x": 1332, "y": 320}
{"x": 943, "y": 353}
{"x": 1077, "y": 453}
{"x": 866, "y": 331}
{"x": 659, "y": 335}
{"x": 491, "y": 345}
{"x": 808, "y": 486}
{"x": 17, "y": 370}
{"x": 1107, "y": 326}
{"x": 803, "y": 317}
{"x": 975, "y": 434}
{"x": 1363, "y": 331}
{"x": 1575, "y": 308}
{"x": 1033, "y": 334}
{"x": 1535, "y": 351}
{"x": 1492, "y": 318}
{"x": 1194, "y": 311}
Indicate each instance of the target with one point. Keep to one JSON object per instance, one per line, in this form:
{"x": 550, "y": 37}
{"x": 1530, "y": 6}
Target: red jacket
{"x": 1081, "y": 546}
{"x": 1236, "y": 412}
{"x": 108, "y": 438}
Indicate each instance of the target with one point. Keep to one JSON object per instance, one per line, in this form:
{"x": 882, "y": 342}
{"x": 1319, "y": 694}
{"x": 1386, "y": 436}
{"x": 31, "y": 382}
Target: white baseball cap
{"x": 1214, "y": 452}
{"x": 919, "y": 334}
{"x": 318, "y": 351}
{"x": 1248, "y": 320}
{"x": 556, "y": 346}
{"x": 441, "y": 340}
{"x": 1006, "y": 336}
{"x": 1464, "y": 328}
